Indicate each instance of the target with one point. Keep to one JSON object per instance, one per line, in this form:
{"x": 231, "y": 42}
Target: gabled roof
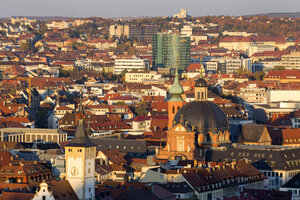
{"x": 293, "y": 183}
{"x": 62, "y": 190}
{"x": 251, "y": 132}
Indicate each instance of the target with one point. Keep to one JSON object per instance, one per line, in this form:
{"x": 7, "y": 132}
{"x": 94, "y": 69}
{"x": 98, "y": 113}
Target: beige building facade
{"x": 32, "y": 135}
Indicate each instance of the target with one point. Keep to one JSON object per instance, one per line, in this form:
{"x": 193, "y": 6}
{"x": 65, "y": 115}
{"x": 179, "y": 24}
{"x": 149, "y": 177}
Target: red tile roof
{"x": 16, "y": 196}
{"x": 286, "y": 74}
{"x": 194, "y": 67}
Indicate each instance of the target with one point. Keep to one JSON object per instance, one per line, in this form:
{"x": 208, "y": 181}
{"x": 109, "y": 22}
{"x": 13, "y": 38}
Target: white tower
{"x": 80, "y": 161}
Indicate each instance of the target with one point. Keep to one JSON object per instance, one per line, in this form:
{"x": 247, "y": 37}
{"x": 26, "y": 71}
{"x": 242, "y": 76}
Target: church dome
{"x": 201, "y": 82}
{"x": 204, "y": 116}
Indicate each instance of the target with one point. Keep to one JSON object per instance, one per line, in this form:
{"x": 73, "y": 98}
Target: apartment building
{"x": 140, "y": 77}
{"x": 253, "y": 94}
{"x": 130, "y": 64}
{"x": 291, "y": 61}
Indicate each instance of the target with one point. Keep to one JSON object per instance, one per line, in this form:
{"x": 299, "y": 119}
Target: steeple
{"x": 81, "y": 138}
{"x": 175, "y": 102}
{"x": 176, "y": 90}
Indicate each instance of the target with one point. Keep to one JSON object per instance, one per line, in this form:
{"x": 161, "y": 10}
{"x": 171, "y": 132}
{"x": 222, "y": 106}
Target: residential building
{"x": 142, "y": 32}
{"x": 131, "y": 64}
{"x": 285, "y": 76}
{"x": 295, "y": 119}
{"x": 253, "y": 94}
{"x": 291, "y": 61}
{"x": 259, "y": 48}
{"x": 281, "y": 96}
{"x": 278, "y": 163}
{"x": 186, "y": 30}
{"x": 293, "y": 186}
{"x": 171, "y": 51}
{"x": 132, "y": 31}
{"x": 140, "y": 77}
{"x": 119, "y": 30}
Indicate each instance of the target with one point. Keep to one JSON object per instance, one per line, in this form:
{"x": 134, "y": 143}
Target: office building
{"x": 132, "y": 31}
{"x": 171, "y": 51}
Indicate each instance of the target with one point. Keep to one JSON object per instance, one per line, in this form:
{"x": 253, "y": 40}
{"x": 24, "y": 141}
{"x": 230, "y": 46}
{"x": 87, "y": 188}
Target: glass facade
{"x": 171, "y": 50}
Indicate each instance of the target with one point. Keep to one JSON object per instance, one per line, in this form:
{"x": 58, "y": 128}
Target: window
{"x": 79, "y": 150}
{"x": 44, "y": 197}
{"x": 173, "y": 110}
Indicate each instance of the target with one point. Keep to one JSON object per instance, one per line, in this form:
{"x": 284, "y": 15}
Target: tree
{"x": 141, "y": 111}
{"x": 64, "y": 73}
{"x": 242, "y": 70}
{"x": 259, "y": 75}
{"x": 279, "y": 68}
{"x": 75, "y": 45}
{"x": 74, "y": 34}
{"x": 120, "y": 103}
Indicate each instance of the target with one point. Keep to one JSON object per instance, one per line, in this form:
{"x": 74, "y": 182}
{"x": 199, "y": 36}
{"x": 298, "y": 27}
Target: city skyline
{"x": 133, "y": 8}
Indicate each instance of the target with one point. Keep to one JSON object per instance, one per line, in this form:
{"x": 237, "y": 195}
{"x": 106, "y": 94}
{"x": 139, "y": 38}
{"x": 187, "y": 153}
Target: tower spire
{"x": 81, "y": 138}
{"x": 176, "y": 90}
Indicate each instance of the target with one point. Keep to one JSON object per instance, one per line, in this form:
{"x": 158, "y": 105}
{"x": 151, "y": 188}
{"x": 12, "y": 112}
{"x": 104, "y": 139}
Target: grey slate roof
{"x": 262, "y": 157}
{"x": 81, "y": 138}
{"x": 122, "y": 145}
{"x": 251, "y": 132}
{"x": 204, "y": 116}
{"x": 176, "y": 188}
{"x": 293, "y": 183}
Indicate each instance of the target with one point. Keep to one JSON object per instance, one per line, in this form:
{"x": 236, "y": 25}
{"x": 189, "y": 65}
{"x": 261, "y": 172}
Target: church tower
{"x": 175, "y": 102}
{"x": 80, "y": 156}
{"x": 200, "y": 90}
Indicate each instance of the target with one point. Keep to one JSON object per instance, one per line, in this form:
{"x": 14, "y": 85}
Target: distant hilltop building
{"x": 22, "y": 20}
{"x": 181, "y": 14}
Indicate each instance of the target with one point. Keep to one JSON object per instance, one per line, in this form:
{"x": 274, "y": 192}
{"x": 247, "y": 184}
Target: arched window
{"x": 198, "y": 95}
{"x": 202, "y": 95}
{"x": 173, "y": 110}
{"x": 178, "y": 108}
{"x": 208, "y": 139}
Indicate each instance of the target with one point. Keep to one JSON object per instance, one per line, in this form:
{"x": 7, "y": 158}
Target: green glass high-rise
{"x": 171, "y": 50}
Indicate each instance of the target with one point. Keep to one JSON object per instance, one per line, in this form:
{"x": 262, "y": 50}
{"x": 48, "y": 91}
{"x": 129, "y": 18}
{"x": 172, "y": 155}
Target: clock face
{"x": 74, "y": 171}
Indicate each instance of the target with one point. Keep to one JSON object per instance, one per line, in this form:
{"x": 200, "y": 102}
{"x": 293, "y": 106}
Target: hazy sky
{"x": 136, "y": 8}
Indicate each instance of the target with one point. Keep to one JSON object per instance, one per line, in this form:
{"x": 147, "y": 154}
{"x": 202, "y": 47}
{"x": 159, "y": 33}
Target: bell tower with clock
{"x": 80, "y": 156}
